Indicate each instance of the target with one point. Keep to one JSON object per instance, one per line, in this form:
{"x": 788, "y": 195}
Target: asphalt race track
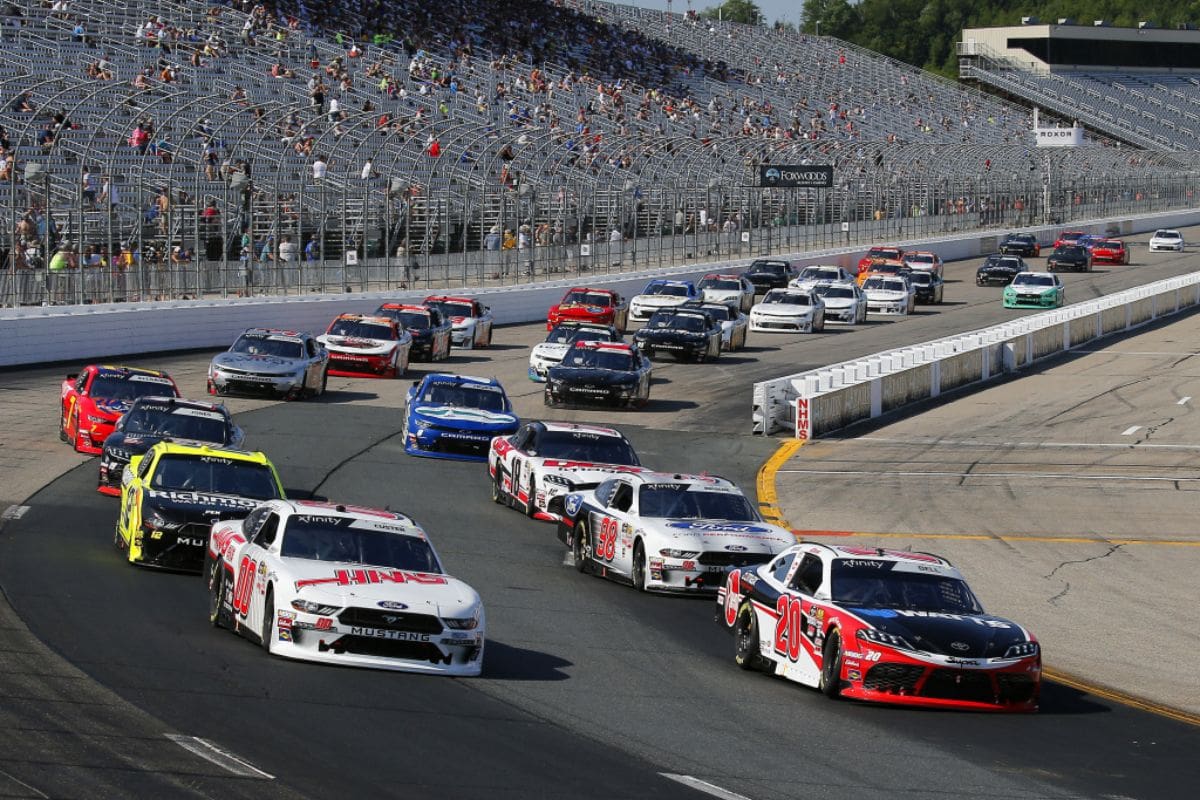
{"x": 590, "y": 690}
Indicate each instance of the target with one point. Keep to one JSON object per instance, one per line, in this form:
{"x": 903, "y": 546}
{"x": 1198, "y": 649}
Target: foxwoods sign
{"x": 801, "y": 177}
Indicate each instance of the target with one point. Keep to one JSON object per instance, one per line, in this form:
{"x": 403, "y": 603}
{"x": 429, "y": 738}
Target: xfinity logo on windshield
{"x": 804, "y": 177}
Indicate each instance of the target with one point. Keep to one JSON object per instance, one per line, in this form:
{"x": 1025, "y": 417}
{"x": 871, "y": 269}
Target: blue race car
{"x": 456, "y": 416}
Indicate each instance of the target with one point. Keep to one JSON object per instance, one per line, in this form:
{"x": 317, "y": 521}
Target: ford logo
{"x": 960, "y": 646}
{"x": 392, "y": 604}
{"x": 737, "y": 548}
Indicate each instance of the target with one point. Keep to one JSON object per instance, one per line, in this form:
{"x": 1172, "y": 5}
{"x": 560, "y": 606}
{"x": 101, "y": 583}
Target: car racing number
{"x": 606, "y": 540}
{"x": 247, "y": 571}
{"x": 733, "y": 597}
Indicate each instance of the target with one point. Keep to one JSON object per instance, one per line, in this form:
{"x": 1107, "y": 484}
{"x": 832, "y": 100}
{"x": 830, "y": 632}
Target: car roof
{"x": 710, "y": 481}
{"x": 589, "y": 289}
{"x": 347, "y": 511}
{"x": 1040, "y": 274}
{"x": 860, "y": 553}
{"x": 112, "y": 370}
{"x": 723, "y": 276}
{"x": 374, "y": 318}
{"x": 272, "y": 332}
{"x": 615, "y": 347}
{"x": 572, "y": 427}
{"x": 404, "y": 307}
{"x": 667, "y": 282}
{"x": 198, "y": 449}
{"x": 179, "y": 402}
{"x": 448, "y": 298}
{"x": 450, "y": 377}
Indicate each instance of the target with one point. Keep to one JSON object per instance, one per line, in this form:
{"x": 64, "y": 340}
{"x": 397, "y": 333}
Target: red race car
{"x": 890, "y": 626}
{"x": 879, "y": 253}
{"x": 1112, "y": 251}
{"x": 1068, "y": 237}
{"x": 93, "y": 401}
{"x": 600, "y": 306}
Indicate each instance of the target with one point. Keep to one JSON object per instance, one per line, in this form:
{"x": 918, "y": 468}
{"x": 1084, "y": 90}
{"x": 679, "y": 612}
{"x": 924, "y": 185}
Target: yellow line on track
{"x": 1121, "y": 697}
{"x": 983, "y": 537}
{"x": 768, "y": 500}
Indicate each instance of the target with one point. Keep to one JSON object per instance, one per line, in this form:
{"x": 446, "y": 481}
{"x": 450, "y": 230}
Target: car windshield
{"x": 327, "y": 538}
{"x": 668, "y": 289}
{"x": 117, "y": 387}
{"x": 787, "y": 298}
{"x": 693, "y": 323}
{"x": 835, "y": 292}
{"x": 724, "y": 284}
{"x": 278, "y": 346}
{"x": 214, "y": 473}
{"x": 774, "y": 268}
{"x": 587, "y": 299}
{"x": 719, "y": 312}
{"x": 1109, "y": 244}
{"x": 919, "y": 258}
{"x": 599, "y": 448}
{"x": 453, "y": 309}
{"x": 885, "y": 284}
{"x": 1071, "y": 251}
{"x": 1020, "y": 238}
{"x": 922, "y": 278}
{"x": 1033, "y": 280}
{"x": 1167, "y": 235}
{"x": 409, "y": 319}
{"x": 818, "y": 274}
{"x": 461, "y": 395}
{"x": 595, "y": 358}
{"x": 887, "y": 266}
{"x": 883, "y": 252}
{"x": 877, "y": 584}
{"x": 178, "y": 423}
{"x": 677, "y": 501}
{"x": 357, "y": 329}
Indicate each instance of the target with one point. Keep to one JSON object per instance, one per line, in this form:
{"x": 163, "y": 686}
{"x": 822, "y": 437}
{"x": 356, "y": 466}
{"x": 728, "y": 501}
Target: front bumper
{"x": 889, "y": 308}
{"x": 582, "y": 395}
{"x": 254, "y": 383}
{"x": 91, "y": 436}
{"x": 351, "y": 365}
{"x": 301, "y": 636}
{"x": 182, "y": 549}
{"x": 778, "y": 324}
{"x": 539, "y": 368}
{"x": 847, "y": 316}
{"x": 987, "y": 279}
{"x": 461, "y": 337}
{"x": 675, "y": 348}
{"x": 111, "y": 470}
{"x": 1029, "y": 301}
{"x": 1010, "y": 685}
{"x": 1157, "y": 248}
{"x": 450, "y": 444}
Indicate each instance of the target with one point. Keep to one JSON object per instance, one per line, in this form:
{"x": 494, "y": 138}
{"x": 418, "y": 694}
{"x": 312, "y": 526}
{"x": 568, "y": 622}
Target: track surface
{"x": 590, "y": 689}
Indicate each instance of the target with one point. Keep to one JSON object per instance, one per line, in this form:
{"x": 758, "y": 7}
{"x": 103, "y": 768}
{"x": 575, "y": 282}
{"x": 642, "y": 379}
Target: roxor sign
{"x": 802, "y": 177}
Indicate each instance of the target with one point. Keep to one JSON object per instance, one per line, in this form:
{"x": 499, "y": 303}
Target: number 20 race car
{"x": 344, "y": 585}
{"x": 884, "y": 625}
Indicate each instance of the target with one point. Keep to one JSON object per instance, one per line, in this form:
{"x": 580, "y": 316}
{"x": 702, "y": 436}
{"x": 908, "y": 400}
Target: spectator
{"x": 368, "y": 170}
{"x": 319, "y": 168}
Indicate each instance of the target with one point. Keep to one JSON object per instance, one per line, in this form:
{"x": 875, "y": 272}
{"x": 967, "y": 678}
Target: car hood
{"x": 340, "y": 584}
{"x": 582, "y": 310}
{"x": 462, "y": 322}
{"x": 668, "y": 334}
{"x": 602, "y": 377}
{"x": 1029, "y": 289}
{"x": 1000, "y": 268}
{"x": 782, "y": 310}
{"x": 721, "y": 295}
{"x": 267, "y": 364}
{"x": 585, "y": 471}
{"x": 471, "y": 419}
{"x": 708, "y": 535}
{"x": 109, "y": 407}
{"x": 660, "y": 300}
{"x": 884, "y": 294}
{"x": 349, "y": 344}
{"x": 137, "y": 443}
{"x": 961, "y": 635}
{"x": 839, "y": 302}
{"x": 554, "y": 350}
{"x": 189, "y": 506}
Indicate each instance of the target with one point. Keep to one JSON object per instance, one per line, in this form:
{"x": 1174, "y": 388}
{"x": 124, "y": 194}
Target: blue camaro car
{"x": 456, "y": 416}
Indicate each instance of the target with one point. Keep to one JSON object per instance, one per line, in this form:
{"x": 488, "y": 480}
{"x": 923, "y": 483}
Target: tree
{"x": 831, "y": 18}
{"x": 743, "y": 11}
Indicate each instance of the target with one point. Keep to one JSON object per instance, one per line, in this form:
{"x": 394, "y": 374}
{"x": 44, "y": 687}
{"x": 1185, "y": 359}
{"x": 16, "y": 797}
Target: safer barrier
{"x": 827, "y": 399}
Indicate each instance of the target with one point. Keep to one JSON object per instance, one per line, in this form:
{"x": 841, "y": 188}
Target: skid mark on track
{"x": 370, "y": 446}
{"x": 1112, "y": 548}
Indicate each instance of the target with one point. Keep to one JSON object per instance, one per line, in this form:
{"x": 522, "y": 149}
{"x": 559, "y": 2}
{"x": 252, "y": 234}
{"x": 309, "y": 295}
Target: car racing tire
{"x": 74, "y": 437}
{"x": 638, "y": 571}
{"x": 489, "y": 339}
{"x": 578, "y": 551}
{"x": 530, "y": 506}
{"x": 497, "y": 493}
{"x": 268, "y": 623}
{"x": 216, "y": 592}
{"x": 831, "y": 666}
{"x": 469, "y": 342}
{"x": 62, "y": 427}
{"x": 746, "y": 642}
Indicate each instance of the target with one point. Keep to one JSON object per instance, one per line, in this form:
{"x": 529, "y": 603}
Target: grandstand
{"x": 159, "y": 150}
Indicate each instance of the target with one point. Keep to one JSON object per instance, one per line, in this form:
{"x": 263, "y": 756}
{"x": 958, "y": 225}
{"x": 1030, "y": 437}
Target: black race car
{"x": 1021, "y": 244}
{"x": 150, "y": 420}
{"x": 429, "y": 327}
{"x": 686, "y": 333}
{"x": 999, "y": 268}
{"x": 769, "y": 273}
{"x": 610, "y": 373}
{"x": 1074, "y": 257}
{"x": 928, "y": 286}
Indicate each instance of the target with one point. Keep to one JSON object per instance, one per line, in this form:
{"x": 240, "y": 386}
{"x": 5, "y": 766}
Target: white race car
{"x": 361, "y": 345}
{"x": 819, "y": 273}
{"x": 550, "y": 353}
{"x": 544, "y": 461}
{"x": 471, "y": 321}
{"x": 667, "y": 532}
{"x": 886, "y": 295}
{"x": 660, "y": 293}
{"x": 799, "y": 310}
{"x": 344, "y": 585}
{"x": 734, "y": 324}
{"x": 1166, "y": 239}
{"x": 844, "y": 302}
{"x": 735, "y": 291}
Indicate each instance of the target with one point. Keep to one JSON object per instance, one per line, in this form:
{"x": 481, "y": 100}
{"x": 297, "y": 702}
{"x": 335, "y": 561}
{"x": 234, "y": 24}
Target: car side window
{"x": 779, "y": 569}
{"x": 605, "y": 490}
{"x": 144, "y": 467}
{"x": 81, "y": 382}
{"x": 808, "y": 575}
{"x": 265, "y": 535}
{"x": 254, "y": 520}
{"x": 312, "y": 347}
{"x": 525, "y": 439}
{"x": 622, "y": 498}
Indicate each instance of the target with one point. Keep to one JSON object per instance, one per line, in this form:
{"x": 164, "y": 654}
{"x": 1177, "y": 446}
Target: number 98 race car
{"x": 889, "y": 626}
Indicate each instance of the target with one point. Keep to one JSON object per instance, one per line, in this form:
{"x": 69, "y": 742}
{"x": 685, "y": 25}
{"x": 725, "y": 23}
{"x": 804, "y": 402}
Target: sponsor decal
{"x": 324, "y": 624}
{"x": 962, "y": 662}
{"x": 862, "y": 563}
{"x": 983, "y": 623}
{"x": 854, "y": 675}
{"x": 572, "y": 504}
{"x": 392, "y": 605}
{"x": 365, "y": 577}
{"x": 197, "y": 498}
{"x": 379, "y": 633}
{"x": 457, "y": 414}
{"x": 718, "y": 527}
{"x": 803, "y": 176}
{"x": 736, "y": 548}
{"x": 960, "y": 646}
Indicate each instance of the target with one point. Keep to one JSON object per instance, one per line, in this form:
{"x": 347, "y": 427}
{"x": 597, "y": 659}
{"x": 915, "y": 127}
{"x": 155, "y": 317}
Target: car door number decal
{"x": 606, "y": 548}
{"x": 789, "y": 628}
{"x": 245, "y": 583}
{"x": 733, "y": 596}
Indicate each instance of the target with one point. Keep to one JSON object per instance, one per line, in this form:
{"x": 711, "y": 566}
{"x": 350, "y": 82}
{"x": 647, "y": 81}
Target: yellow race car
{"x": 172, "y": 495}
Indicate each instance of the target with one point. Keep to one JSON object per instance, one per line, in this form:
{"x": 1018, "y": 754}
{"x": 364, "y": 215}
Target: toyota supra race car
{"x": 598, "y": 306}
{"x": 343, "y": 585}
{"x": 550, "y": 353}
{"x": 367, "y": 346}
{"x": 1110, "y": 251}
{"x": 471, "y": 320}
{"x": 151, "y": 420}
{"x": 172, "y": 495}
{"x": 287, "y": 364}
{"x": 544, "y": 461}
{"x": 456, "y": 416}
{"x": 94, "y": 399}
{"x": 667, "y": 532}
{"x": 890, "y": 626}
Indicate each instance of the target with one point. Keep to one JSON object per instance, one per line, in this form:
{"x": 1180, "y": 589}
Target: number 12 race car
{"x": 884, "y": 625}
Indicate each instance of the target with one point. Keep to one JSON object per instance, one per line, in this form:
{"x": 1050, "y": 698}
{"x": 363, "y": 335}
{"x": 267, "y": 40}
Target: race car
{"x": 734, "y": 324}
{"x": 550, "y": 352}
{"x": 428, "y": 327}
{"x": 686, "y": 333}
{"x": 1074, "y": 257}
{"x": 95, "y": 398}
{"x": 784, "y": 310}
{"x": 544, "y": 461}
{"x": 610, "y": 373}
{"x": 924, "y": 261}
{"x": 667, "y": 532}
{"x": 661, "y": 294}
{"x": 819, "y": 273}
{"x": 597, "y": 306}
{"x": 456, "y": 416}
{"x": 928, "y": 287}
{"x": 367, "y": 346}
{"x": 1020, "y": 244}
{"x": 1110, "y": 251}
{"x": 889, "y": 626}
{"x": 877, "y": 254}
{"x": 889, "y": 295}
{"x": 998, "y": 268}
{"x": 342, "y": 585}
{"x": 896, "y": 269}
{"x": 1035, "y": 290}
{"x": 286, "y": 364}
{"x": 1166, "y": 239}
{"x": 1069, "y": 238}
{"x": 735, "y": 291}
{"x": 172, "y": 495}
{"x": 471, "y": 320}
{"x": 844, "y": 301}
{"x": 150, "y": 420}
{"x": 769, "y": 273}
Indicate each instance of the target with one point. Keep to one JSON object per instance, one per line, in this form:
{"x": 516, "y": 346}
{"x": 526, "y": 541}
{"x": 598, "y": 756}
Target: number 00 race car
{"x": 344, "y": 585}
{"x": 885, "y": 625}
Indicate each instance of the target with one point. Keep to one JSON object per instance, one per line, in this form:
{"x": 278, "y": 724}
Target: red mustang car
{"x": 94, "y": 399}
{"x": 879, "y": 253}
{"x": 600, "y": 306}
{"x": 1112, "y": 251}
{"x": 1068, "y": 237}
